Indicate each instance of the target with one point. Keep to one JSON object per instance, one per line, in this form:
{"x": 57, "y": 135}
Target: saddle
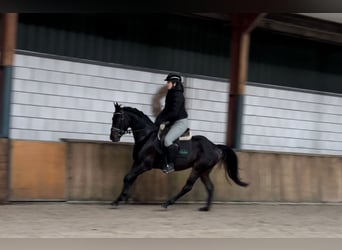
{"x": 186, "y": 136}
{"x": 184, "y": 142}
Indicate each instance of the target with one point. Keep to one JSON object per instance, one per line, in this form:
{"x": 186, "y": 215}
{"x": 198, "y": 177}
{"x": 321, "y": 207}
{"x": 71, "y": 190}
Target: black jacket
{"x": 174, "y": 107}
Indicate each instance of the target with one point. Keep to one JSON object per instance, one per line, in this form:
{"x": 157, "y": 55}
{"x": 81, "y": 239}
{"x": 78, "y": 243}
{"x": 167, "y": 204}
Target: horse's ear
{"x": 117, "y": 106}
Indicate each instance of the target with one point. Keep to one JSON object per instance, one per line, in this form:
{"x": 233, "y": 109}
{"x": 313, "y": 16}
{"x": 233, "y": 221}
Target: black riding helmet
{"x": 172, "y": 77}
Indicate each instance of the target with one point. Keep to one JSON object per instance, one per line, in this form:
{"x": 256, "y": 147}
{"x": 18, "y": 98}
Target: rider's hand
{"x": 162, "y": 126}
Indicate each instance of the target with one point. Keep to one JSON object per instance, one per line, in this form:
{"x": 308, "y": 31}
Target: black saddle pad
{"x": 184, "y": 149}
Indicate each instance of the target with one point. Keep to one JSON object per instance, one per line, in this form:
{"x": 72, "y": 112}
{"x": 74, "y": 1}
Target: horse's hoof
{"x": 204, "y": 209}
{"x": 165, "y": 205}
{"x": 114, "y": 203}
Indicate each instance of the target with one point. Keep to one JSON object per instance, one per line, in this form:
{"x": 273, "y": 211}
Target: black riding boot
{"x": 170, "y": 158}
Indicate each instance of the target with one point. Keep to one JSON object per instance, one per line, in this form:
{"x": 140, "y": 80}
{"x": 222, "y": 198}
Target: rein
{"x": 127, "y": 131}
{"x": 121, "y": 131}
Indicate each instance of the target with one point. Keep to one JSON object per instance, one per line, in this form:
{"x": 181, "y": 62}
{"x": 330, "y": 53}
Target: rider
{"x": 175, "y": 114}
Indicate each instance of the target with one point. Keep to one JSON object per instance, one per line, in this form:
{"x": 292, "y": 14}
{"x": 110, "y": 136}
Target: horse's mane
{"x": 139, "y": 114}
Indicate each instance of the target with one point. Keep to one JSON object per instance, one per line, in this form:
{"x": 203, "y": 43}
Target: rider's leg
{"x": 171, "y": 154}
{"x": 175, "y": 131}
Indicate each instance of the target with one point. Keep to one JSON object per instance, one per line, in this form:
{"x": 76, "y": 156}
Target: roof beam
{"x": 303, "y": 26}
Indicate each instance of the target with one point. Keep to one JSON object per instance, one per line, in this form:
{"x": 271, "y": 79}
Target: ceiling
{"x": 332, "y": 17}
{"x": 324, "y": 27}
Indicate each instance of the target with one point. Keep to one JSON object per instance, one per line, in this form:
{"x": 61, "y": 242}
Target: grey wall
{"x": 53, "y": 99}
{"x": 59, "y": 98}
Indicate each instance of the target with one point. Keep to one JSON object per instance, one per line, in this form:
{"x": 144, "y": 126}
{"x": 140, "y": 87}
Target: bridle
{"x": 120, "y": 130}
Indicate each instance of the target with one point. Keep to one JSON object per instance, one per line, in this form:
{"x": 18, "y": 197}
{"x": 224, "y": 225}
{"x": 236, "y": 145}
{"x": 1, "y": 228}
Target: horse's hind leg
{"x": 210, "y": 190}
{"x": 188, "y": 186}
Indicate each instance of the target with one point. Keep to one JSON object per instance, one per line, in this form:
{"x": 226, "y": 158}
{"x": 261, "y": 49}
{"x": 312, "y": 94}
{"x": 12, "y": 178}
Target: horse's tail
{"x": 231, "y": 164}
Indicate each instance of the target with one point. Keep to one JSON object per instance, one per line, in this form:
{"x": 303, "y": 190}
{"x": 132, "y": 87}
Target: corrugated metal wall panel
{"x": 155, "y": 41}
{"x": 282, "y": 60}
{"x": 184, "y": 44}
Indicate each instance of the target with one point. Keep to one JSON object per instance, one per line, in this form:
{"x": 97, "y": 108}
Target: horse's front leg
{"x": 128, "y": 182}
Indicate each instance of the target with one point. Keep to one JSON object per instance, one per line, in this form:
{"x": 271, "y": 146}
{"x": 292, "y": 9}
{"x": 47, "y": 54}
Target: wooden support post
{"x": 8, "y": 30}
{"x": 8, "y": 39}
{"x": 242, "y": 25}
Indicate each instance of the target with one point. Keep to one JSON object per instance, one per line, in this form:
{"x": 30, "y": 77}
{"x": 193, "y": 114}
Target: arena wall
{"x": 296, "y": 133}
{"x": 96, "y": 171}
{"x": 37, "y": 171}
{"x": 55, "y": 98}
{"x": 4, "y": 151}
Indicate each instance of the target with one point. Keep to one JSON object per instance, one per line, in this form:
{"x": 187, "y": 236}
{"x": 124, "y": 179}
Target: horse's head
{"x": 125, "y": 118}
{"x": 119, "y": 123}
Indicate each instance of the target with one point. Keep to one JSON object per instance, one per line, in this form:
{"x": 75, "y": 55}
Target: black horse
{"x": 199, "y": 153}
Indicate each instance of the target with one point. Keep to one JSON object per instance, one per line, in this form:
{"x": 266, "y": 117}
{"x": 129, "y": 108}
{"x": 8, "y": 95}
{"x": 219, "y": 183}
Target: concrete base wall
{"x": 3, "y": 170}
{"x": 96, "y": 170}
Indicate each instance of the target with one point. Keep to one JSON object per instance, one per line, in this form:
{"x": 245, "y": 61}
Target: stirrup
{"x": 169, "y": 168}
